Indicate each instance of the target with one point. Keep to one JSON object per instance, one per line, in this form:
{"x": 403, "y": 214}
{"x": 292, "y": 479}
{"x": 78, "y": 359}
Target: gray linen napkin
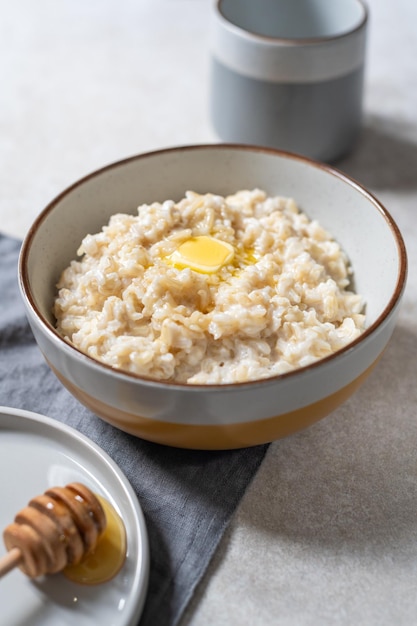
{"x": 187, "y": 497}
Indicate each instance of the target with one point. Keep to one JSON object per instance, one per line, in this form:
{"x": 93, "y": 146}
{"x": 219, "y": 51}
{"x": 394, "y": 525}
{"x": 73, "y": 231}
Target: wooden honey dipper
{"x": 56, "y": 530}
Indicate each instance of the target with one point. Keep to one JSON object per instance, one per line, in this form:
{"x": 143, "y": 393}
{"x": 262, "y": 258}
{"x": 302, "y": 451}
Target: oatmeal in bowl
{"x": 210, "y": 290}
{"x": 229, "y": 315}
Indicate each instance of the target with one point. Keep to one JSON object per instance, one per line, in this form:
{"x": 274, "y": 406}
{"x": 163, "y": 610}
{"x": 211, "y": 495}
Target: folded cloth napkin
{"x": 187, "y": 497}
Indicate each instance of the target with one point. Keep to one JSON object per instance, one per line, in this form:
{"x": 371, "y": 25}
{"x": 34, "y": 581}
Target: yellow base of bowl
{"x": 216, "y": 436}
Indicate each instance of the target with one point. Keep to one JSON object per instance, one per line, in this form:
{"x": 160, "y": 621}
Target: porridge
{"x": 209, "y": 290}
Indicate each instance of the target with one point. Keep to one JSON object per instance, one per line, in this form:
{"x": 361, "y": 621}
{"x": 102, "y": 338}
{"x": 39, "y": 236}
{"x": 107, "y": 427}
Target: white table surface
{"x": 327, "y": 532}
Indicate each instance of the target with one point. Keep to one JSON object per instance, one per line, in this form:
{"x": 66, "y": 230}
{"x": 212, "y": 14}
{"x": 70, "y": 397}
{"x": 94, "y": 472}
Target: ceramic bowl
{"x": 231, "y": 415}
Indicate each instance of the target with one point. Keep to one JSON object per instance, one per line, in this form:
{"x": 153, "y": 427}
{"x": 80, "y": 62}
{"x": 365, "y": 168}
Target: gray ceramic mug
{"x": 289, "y": 74}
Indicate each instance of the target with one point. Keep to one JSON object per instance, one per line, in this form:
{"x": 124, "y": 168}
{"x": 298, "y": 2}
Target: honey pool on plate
{"x": 107, "y": 558}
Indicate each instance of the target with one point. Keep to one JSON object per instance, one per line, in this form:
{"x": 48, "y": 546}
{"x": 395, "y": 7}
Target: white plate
{"x": 37, "y": 452}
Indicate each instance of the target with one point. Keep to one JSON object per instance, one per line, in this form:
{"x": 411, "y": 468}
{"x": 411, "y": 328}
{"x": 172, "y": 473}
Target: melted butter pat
{"x": 107, "y": 559}
{"x": 203, "y": 254}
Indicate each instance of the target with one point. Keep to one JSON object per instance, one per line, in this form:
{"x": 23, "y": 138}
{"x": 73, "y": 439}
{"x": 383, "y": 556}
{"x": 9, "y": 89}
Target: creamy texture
{"x": 138, "y": 301}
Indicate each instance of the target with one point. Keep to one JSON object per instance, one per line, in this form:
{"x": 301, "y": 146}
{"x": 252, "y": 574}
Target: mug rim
{"x": 291, "y": 41}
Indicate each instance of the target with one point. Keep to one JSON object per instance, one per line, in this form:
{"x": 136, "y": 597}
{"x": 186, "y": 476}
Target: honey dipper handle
{"x": 10, "y": 561}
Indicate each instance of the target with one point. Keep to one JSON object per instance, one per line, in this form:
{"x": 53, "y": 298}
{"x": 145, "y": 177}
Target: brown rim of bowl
{"x": 400, "y": 284}
{"x": 290, "y": 41}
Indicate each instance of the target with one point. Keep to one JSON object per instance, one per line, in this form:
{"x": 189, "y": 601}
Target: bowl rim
{"x": 26, "y": 292}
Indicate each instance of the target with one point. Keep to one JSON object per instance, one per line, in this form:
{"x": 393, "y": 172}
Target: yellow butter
{"x": 203, "y": 254}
